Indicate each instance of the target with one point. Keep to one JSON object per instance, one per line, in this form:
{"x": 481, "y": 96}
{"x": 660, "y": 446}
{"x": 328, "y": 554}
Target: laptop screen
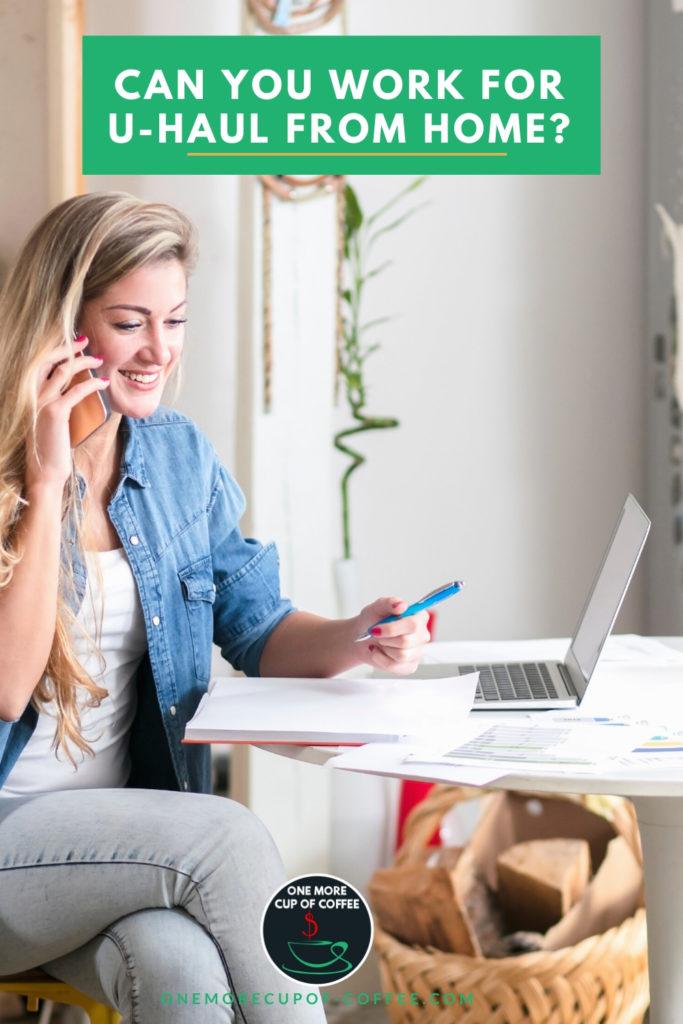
{"x": 608, "y": 590}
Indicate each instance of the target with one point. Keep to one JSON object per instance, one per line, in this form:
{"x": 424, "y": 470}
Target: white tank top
{"x": 122, "y": 644}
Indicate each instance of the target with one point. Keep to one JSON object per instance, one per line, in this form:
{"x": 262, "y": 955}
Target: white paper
{"x": 389, "y": 759}
{"x": 653, "y": 693}
{"x": 639, "y": 650}
{"x": 334, "y": 710}
{"x": 544, "y": 741}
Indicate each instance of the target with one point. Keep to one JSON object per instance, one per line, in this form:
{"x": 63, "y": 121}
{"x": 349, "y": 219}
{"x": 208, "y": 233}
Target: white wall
{"x": 516, "y": 370}
{"x": 23, "y": 124}
{"x": 665, "y": 185}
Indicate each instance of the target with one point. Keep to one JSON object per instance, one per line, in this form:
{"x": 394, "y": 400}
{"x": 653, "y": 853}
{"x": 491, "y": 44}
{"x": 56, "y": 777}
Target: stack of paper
{"x": 333, "y": 711}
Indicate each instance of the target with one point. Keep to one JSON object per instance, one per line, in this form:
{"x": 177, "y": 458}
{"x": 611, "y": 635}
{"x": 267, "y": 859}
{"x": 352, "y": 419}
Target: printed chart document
{"x": 661, "y": 752}
{"x": 333, "y": 711}
{"x": 544, "y": 741}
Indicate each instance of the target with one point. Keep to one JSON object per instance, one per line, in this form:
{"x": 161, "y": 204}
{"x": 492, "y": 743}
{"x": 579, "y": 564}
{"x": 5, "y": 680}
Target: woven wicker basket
{"x": 601, "y": 980}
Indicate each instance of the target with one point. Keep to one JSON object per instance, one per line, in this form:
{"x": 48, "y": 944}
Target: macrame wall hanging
{"x": 288, "y": 188}
{"x": 294, "y": 17}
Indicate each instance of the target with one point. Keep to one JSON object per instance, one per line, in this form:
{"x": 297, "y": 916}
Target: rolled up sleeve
{"x": 248, "y": 603}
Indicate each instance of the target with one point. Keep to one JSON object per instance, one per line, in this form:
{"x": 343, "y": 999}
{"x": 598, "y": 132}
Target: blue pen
{"x": 440, "y": 594}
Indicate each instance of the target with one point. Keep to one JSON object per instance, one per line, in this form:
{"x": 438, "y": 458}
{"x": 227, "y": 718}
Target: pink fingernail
{"x": 105, "y": 379}
{"x": 80, "y": 338}
{"x": 376, "y": 631}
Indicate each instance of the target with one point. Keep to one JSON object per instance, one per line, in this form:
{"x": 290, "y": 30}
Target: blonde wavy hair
{"x": 73, "y": 255}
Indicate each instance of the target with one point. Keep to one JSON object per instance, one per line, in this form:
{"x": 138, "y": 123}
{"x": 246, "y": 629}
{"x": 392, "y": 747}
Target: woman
{"x": 121, "y": 561}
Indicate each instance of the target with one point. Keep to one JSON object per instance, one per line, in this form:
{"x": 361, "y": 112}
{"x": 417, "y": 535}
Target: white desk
{"x": 658, "y": 798}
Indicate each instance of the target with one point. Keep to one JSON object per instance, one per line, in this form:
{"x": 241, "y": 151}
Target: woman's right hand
{"x": 49, "y": 460}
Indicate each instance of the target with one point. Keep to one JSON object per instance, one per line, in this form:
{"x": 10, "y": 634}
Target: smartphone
{"x": 91, "y": 413}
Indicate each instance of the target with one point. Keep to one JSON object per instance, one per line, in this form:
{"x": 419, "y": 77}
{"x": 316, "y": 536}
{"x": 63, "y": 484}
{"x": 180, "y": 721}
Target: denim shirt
{"x": 176, "y": 510}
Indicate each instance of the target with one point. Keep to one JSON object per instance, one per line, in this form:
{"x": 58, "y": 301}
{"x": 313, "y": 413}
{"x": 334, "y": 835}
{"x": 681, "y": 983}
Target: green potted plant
{"x": 361, "y": 232}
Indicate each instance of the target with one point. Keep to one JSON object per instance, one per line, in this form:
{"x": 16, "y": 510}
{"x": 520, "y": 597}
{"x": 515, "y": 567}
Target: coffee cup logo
{"x": 316, "y": 956}
{"x": 317, "y": 929}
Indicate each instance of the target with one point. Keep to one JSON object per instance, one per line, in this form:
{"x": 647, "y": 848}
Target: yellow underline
{"x": 343, "y": 155}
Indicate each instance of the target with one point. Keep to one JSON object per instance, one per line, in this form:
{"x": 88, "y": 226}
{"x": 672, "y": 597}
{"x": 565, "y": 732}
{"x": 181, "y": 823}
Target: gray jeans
{"x": 149, "y": 901}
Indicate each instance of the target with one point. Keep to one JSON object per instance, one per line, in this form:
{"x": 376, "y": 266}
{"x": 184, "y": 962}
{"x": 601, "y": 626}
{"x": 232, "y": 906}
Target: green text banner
{"x": 341, "y": 105}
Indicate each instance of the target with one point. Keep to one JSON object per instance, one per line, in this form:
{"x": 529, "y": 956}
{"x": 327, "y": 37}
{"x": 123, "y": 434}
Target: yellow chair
{"x": 36, "y": 984}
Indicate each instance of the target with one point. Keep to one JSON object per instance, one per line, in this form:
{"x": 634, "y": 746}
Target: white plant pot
{"x": 347, "y": 587}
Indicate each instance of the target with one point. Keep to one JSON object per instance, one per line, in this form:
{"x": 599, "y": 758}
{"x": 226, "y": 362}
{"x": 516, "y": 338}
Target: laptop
{"x": 550, "y": 684}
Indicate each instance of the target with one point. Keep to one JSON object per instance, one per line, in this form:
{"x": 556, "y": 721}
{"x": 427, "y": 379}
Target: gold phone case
{"x": 90, "y": 414}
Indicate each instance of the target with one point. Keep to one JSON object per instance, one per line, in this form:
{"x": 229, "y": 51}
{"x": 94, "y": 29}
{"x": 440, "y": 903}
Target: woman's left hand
{"x": 398, "y": 646}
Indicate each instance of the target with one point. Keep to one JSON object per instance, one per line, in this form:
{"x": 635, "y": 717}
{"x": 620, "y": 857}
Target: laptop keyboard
{"x": 512, "y": 682}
